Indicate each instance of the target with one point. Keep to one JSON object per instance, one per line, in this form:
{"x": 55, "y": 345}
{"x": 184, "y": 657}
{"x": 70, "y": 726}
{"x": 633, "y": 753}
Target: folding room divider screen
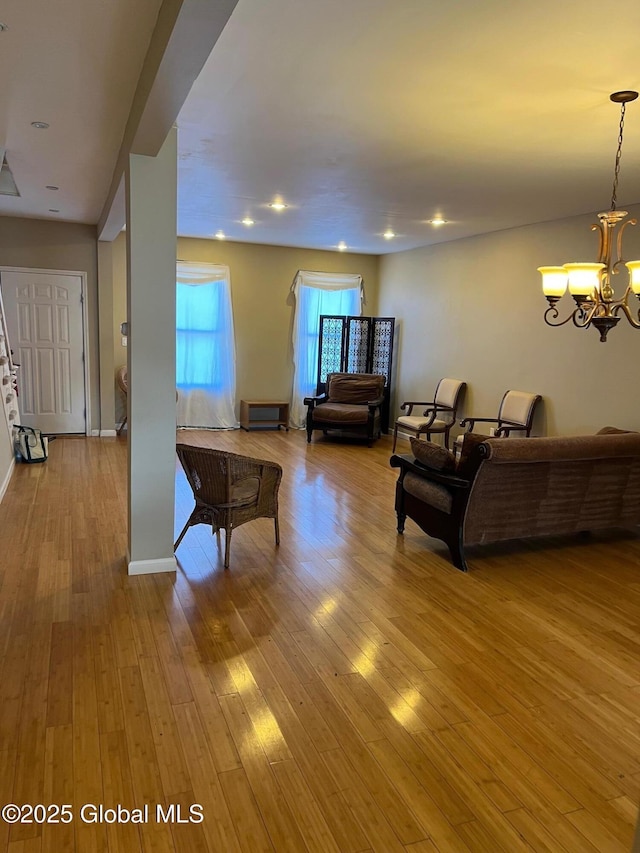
{"x": 357, "y": 345}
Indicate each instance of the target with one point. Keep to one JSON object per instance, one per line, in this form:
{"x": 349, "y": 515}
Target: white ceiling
{"x": 361, "y": 115}
{"x": 75, "y": 65}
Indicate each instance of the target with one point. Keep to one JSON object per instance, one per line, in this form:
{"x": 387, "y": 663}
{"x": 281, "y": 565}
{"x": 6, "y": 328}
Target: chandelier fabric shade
{"x": 554, "y": 281}
{"x": 584, "y": 279}
{"x": 634, "y": 276}
{"x": 589, "y": 283}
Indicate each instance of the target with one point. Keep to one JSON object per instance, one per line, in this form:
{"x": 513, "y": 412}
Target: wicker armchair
{"x": 229, "y": 490}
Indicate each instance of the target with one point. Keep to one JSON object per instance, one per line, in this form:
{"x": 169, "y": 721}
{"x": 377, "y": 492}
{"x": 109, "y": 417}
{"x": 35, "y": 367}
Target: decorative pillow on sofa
{"x": 433, "y": 455}
{"x": 469, "y": 442}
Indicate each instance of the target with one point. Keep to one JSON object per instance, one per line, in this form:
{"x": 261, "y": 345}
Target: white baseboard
{"x": 438, "y": 438}
{"x": 149, "y": 567}
{"x": 7, "y": 479}
{"x": 95, "y": 433}
{"x": 108, "y": 433}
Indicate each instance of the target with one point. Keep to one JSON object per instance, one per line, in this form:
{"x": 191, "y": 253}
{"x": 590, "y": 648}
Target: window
{"x": 205, "y": 347}
{"x": 316, "y": 293}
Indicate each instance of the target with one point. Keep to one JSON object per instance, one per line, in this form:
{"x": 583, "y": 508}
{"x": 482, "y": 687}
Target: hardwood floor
{"x": 348, "y": 691}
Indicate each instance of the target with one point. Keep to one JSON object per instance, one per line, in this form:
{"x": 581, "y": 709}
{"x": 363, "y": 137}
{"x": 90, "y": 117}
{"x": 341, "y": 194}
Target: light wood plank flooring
{"x": 349, "y": 691}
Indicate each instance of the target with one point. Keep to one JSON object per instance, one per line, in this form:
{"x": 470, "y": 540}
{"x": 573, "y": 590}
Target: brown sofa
{"x": 351, "y": 405}
{"x": 520, "y": 487}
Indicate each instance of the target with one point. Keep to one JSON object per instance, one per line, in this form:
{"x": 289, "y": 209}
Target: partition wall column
{"x": 151, "y": 191}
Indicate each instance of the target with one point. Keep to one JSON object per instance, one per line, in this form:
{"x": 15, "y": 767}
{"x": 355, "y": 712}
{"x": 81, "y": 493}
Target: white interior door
{"x": 45, "y": 327}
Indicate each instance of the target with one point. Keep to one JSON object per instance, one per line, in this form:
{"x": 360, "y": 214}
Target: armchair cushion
{"x": 340, "y": 412}
{"x": 433, "y": 455}
{"x": 244, "y": 492}
{"x": 354, "y": 388}
{"x": 415, "y": 422}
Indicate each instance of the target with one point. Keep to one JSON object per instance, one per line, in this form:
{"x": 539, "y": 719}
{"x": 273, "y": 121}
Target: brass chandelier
{"x": 590, "y": 283}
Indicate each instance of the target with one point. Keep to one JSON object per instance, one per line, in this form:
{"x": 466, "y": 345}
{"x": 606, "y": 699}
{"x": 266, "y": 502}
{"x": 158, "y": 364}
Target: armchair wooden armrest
{"x": 314, "y": 401}
{"x": 506, "y": 428}
{"x": 471, "y": 422}
{"x": 409, "y": 404}
{"x": 431, "y": 411}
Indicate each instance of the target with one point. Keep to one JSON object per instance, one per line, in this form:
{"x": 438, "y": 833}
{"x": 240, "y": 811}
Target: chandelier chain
{"x": 616, "y": 172}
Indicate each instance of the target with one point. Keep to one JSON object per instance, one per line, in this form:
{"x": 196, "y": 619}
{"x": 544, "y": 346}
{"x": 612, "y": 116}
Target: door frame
{"x": 85, "y": 326}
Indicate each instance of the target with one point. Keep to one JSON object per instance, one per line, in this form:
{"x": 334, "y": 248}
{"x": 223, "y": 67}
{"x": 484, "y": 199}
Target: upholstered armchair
{"x": 350, "y": 406}
{"x": 514, "y": 415}
{"x": 439, "y": 416}
{"x": 229, "y": 490}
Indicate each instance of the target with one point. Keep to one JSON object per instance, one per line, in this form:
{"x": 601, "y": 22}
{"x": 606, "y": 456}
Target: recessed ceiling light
{"x": 51, "y": 187}
{"x": 219, "y": 235}
{"x": 438, "y": 220}
{"x": 278, "y": 205}
{"x": 247, "y": 221}
{"x": 389, "y": 234}
{"x": 342, "y": 246}
{"x": 40, "y": 125}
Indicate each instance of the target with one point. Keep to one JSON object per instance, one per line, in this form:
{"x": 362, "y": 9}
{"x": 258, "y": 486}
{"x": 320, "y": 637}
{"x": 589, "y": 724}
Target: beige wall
{"x": 39, "y": 244}
{"x": 262, "y": 306}
{"x": 473, "y": 309}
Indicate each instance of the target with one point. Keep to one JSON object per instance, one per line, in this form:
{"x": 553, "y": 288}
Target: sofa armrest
{"x": 406, "y": 463}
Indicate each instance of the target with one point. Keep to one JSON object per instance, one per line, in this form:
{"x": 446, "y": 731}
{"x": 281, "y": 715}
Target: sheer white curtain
{"x": 205, "y": 347}
{"x": 316, "y": 293}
